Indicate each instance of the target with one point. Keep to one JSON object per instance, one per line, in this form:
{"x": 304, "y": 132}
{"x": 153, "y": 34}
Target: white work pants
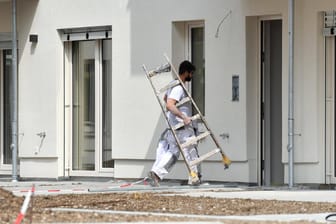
{"x": 168, "y": 152}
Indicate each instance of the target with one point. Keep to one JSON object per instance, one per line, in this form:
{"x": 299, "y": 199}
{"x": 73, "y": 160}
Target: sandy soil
{"x": 40, "y": 207}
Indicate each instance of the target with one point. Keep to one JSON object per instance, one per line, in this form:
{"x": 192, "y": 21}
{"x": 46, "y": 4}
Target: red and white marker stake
{"x": 25, "y": 205}
{"x": 134, "y": 183}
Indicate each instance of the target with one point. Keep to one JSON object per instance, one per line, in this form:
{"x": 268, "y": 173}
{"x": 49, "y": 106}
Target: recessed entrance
{"x": 272, "y": 169}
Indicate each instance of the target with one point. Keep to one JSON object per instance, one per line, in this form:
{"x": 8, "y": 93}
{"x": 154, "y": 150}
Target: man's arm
{"x": 171, "y": 106}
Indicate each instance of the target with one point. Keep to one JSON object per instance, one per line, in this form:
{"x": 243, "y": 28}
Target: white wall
{"x": 141, "y": 34}
{"x": 218, "y": 52}
{"x": 309, "y": 151}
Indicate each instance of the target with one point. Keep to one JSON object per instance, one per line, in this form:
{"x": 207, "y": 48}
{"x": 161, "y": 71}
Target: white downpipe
{"x": 290, "y": 146}
{"x": 13, "y": 89}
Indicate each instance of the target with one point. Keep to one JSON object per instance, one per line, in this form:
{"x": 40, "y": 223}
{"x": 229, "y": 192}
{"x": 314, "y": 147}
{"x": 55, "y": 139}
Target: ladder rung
{"x": 160, "y": 69}
{"x": 204, "y": 157}
{"x": 170, "y": 85}
{"x": 183, "y": 101}
{"x": 181, "y": 124}
{"x": 195, "y": 139}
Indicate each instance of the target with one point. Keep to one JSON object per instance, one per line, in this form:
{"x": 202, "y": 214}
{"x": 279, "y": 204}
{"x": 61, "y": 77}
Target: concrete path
{"x": 212, "y": 190}
{"x": 283, "y": 195}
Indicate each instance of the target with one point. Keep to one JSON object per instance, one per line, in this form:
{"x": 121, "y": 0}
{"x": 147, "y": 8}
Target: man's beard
{"x": 188, "y": 79}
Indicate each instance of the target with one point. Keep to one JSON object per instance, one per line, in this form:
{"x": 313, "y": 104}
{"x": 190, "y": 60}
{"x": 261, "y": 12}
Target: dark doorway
{"x": 272, "y": 169}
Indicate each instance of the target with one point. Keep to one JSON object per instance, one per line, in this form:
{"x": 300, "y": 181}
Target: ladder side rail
{"x": 169, "y": 125}
{"x": 225, "y": 158}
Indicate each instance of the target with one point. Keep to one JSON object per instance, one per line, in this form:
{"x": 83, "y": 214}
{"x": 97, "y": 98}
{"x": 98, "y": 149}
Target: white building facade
{"x": 87, "y": 109}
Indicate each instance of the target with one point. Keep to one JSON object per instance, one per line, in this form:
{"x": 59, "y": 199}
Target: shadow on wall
{"x": 149, "y": 42}
{"x": 26, "y": 10}
{"x": 148, "y": 47}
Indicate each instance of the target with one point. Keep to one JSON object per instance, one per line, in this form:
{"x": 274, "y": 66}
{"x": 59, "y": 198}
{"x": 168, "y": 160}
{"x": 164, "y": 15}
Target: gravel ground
{"x": 40, "y": 209}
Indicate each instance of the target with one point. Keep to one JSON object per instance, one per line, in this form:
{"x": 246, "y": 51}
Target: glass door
{"x": 83, "y": 98}
{"x": 91, "y": 107}
{"x": 106, "y": 155}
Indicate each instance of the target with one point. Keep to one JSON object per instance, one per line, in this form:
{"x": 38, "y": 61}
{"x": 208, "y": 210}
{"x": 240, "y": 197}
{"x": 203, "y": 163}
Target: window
{"x": 196, "y": 52}
{"x": 188, "y": 43}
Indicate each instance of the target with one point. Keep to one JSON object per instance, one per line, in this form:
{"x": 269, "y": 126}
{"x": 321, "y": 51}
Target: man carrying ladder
{"x": 168, "y": 151}
{"x": 178, "y": 106}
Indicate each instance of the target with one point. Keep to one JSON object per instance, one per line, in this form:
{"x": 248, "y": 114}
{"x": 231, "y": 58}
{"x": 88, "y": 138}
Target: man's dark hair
{"x": 186, "y": 66}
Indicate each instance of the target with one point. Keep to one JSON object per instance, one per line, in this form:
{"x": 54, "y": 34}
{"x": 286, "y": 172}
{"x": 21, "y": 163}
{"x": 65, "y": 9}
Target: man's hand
{"x": 171, "y": 106}
{"x": 186, "y": 120}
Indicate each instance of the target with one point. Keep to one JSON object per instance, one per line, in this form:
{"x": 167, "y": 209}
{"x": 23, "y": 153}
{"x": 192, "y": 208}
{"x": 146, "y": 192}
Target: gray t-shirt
{"x": 177, "y": 93}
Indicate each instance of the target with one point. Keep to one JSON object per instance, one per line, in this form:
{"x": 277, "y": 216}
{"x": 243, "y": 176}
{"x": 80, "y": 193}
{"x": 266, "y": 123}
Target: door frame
{"x": 68, "y": 119}
{"x": 190, "y": 25}
{"x": 188, "y": 44}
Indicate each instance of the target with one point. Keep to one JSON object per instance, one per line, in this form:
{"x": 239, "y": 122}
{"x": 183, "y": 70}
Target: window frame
{"x": 188, "y": 51}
